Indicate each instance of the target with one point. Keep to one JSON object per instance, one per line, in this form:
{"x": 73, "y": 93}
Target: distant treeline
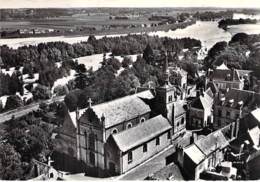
{"x": 227, "y": 22}
{"x": 212, "y": 15}
{"x": 42, "y": 58}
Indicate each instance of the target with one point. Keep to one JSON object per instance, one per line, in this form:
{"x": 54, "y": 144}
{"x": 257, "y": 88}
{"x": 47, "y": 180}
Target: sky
{"x": 128, "y": 3}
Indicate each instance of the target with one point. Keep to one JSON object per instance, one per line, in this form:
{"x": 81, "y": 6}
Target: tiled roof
{"x": 256, "y": 114}
{"x": 194, "y": 153}
{"x": 254, "y": 134}
{"x": 249, "y": 98}
{"x": 222, "y": 67}
{"x": 119, "y": 110}
{"x": 141, "y": 133}
{"x": 242, "y": 73}
{"x": 123, "y": 109}
{"x": 211, "y": 142}
{"x": 203, "y": 101}
{"x": 213, "y": 87}
{"x": 209, "y": 92}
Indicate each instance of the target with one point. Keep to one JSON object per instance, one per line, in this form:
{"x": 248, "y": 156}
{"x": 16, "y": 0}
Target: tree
{"x": 242, "y": 38}
{"x": 126, "y": 62}
{"x": 13, "y": 102}
{"x": 10, "y": 163}
{"x": 148, "y": 54}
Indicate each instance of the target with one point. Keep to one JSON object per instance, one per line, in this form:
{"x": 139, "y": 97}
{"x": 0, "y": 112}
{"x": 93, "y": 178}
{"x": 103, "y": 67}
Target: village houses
{"x": 225, "y": 78}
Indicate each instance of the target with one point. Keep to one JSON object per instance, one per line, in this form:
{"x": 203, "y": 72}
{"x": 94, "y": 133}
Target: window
{"x": 228, "y": 114}
{"x": 114, "y": 131}
{"x": 142, "y": 119}
{"x": 158, "y": 141}
{"x": 170, "y": 98}
{"x": 169, "y": 135}
{"x": 92, "y": 141}
{"x": 92, "y": 158}
{"x": 178, "y": 124}
{"x": 182, "y": 120}
{"x": 129, "y": 125}
{"x": 145, "y": 147}
{"x": 130, "y": 157}
{"x": 219, "y": 113}
{"x": 219, "y": 123}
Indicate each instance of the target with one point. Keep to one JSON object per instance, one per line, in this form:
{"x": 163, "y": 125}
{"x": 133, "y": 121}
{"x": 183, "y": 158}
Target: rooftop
{"x": 194, "y": 153}
{"x": 212, "y": 142}
{"x": 119, "y": 110}
{"x": 141, "y": 133}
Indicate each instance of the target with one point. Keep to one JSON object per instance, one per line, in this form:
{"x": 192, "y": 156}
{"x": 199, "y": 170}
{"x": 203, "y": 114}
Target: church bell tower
{"x": 166, "y": 94}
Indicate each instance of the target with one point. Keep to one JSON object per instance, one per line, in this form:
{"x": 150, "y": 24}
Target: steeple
{"x": 166, "y": 73}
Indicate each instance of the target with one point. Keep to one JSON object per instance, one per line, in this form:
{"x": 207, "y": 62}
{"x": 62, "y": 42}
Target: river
{"x": 207, "y": 32}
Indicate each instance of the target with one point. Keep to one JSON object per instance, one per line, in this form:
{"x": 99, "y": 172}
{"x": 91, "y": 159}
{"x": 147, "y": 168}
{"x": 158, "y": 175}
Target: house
{"x": 200, "y": 113}
{"x": 97, "y": 129}
{"x": 127, "y": 149}
{"x": 234, "y": 105}
{"x": 226, "y": 78}
{"x": 204, "y": 155}
{"x": 180, "y": 76}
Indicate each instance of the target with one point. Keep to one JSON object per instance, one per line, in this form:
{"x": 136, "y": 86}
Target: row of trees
{"x": 28, "y": 138}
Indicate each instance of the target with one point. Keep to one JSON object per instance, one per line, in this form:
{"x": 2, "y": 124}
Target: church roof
{"x": 119, "y": 110}
{"x": 141, "y": 133}
{"x": 123, "y": 109}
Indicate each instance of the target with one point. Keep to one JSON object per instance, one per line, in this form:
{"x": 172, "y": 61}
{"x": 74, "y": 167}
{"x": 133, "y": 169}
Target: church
{"x": 116, "y": 136}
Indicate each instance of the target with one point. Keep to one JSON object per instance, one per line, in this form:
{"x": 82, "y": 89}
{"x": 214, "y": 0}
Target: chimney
{"x": 77, "y": 114}
{"x": 103, "y": 119}
{"x": 222, "y": 100}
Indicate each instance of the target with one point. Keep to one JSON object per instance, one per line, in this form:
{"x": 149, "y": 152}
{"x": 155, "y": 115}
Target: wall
{"x": 223, "y": 120}
{"x": 139, "y": 156}
{"x": 228, "y": 84}
{"x": 178, "y": 129}
{"x": 196, "y": 116}
{"x": 89, "y": 124}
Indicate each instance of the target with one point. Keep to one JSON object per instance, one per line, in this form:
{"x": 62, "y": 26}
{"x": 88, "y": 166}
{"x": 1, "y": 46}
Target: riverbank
{"x": 112, "y": 31}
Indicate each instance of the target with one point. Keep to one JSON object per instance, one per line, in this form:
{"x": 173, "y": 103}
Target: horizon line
{"x": 139, "y": 7}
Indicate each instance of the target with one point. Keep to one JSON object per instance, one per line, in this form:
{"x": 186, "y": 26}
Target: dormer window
{"x": 142, "y": 120}
{"x": 222, "y": 100}
{"x": 240, "y": 103}
{"x": 129, "y": 125}
{"x": 230, "y": 102}
{"x": 114, "y": 131}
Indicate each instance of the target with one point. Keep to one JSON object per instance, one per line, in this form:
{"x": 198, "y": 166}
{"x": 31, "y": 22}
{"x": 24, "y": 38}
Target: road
{"x": 26, "y": 109}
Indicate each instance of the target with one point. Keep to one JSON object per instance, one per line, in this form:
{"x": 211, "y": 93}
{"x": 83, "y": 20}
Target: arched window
{"x": 114, "y": 131}
{"x": 182, "y": 120}
{"x": 92, "y": 158}
{"x": 129, "y": 125}
{"x": 142, "y": 120}
{"x": 91, "y": 141}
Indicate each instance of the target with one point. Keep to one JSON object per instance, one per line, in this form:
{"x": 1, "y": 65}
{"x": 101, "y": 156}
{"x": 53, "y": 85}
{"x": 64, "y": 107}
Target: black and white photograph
{"x": 118, "y": 90}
